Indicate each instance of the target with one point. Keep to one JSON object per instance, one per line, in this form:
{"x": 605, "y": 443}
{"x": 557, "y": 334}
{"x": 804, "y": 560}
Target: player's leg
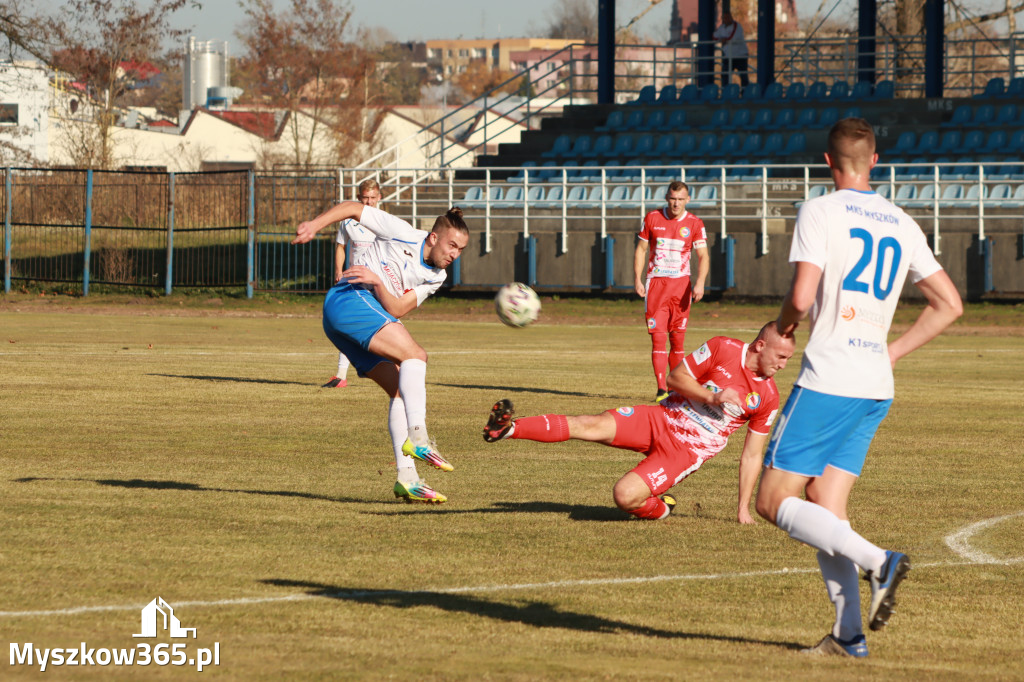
{"x": 643, "y": 492}
{"x": 408, "y": 485}
{"x": 656, "y": 315}
{"x": 393, "y": 341}
{"x": 338, "y": 380}
{"x": 678, "y": 317}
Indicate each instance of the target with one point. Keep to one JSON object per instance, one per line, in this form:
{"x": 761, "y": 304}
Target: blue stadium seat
{"x": 751, "y": 145}
{"x": 581, "y": 146}
{"x": 1006, "y": 115}
{"x": 577, "y": 194}
{"x": 814, "y": 192}
{"x": 601, "y": 147}
{"x": 535, "y": 195}
{"x": 818, "y": 90}
{"x": 709, "y": 93}
{"x": 740, "y": 119}
{"x": 729, "y": 146}
{"x": 1007, "y": 171}
{"x": 995, "y": 87}
{"x": 647, "y": 95}
{"x": 1017, "y": 200}
{"x": 806, "y": 119}
{"x": 638, "y": 197}
{"x": 513, "y": 198}
{"x": 634, "y": 120}
{"x": 795, "y": 91}
{"x": 949, "y": 142}
{"x": 784, "y": 118}
{"x": 667, "y": 95}
{"x": 719, "y": 120}
{"x": 796, "y": 144}
{"x": 661, "y": 191}
{"x": 752, "y": 92}
{"x": 1016, "y": 144}
{"x": 707, "y": 145}
{"x": 563, "y": 143}
{"x": 971, "y": 143}
{"x": 995, "y": 143}
{"x": 998, "y": 195}
{"x": 704, "y": 196}
{"x": 618, "y": 197}
{"x": 623, "y": 146}
{"x": 851, "y": 112}
{"x": 984, "y": 115}
{"x": 924, "y": 198}
{"x": 927, "y": 143}
{"x": 952, "y": 196}
{"x": 773, "y": 145}
{"x": 827, "y": 117}
{"x": 885, "y": 90}
{"x": 961, "y": 116}
{"x": 773, "y": 92}
{"x": 527, "y": 167}
{"x": 615, "y": 121}
{"x": 589, "y": 172}
{"x": 553, "y": 198}
{"x": 862, "y": 90}
{"x": 496, "y": 194}
{"x": 474, "y": 197}
{"x": 731, "y": 92}
{"x": 665, "y": 145}
{"x": 762, "y": 120}
{"x": 685, "y": 145}
{"x": 884, "y": 190}
{"x": 1015, "y": 88}
{"x": 689, "y": 93}
{"x": 593, "y": 198}
{"x": 655, "y": 120}
{"x": 661, "y": 175}
{"x": 676, "y": 120}
{"x": 643, "y": 145}
{"x": 840, "y": 90}
{"x": 905, "y": 193}
{"x": 904, "y": 143}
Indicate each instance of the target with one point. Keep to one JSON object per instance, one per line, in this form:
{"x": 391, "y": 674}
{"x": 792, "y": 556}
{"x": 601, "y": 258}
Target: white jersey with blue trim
{"x": 865, "y": 247}
{"x": 396, "y": 256}
{"x": 350, "y": 231}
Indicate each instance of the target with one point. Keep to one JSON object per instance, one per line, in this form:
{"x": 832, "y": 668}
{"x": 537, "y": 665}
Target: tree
{"x": 23, "y": 31}
{"x": 477, "y": 79}
{"x": 298, "y": 60}
{"x": 97, "y": 37}
{"x": 573, "y": 19}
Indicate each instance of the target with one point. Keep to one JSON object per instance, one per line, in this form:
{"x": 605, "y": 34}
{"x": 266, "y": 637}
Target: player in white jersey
{"x": 350, "y": 242}
{"x": 390, "y": 278}
{"x": 852, "y": 251}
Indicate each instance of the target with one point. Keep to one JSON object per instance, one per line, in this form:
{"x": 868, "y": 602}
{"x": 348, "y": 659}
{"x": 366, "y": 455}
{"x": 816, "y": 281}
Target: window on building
{"x": 449, "y": 54}
{"x": 479, "y": 53}
{"x": 464, "y": 52}
{"x": 433, "y": 53}
{"x": 8, "y": 114}
{"x": 462, "y": 68}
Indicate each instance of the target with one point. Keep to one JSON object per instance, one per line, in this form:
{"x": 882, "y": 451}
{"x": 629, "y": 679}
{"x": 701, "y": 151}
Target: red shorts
{"x": 643, "y": 429}
{"x": 667, "y": 304}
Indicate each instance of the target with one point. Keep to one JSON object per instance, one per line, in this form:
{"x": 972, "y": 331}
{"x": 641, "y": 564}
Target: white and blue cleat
{"x": 883, "y": 588}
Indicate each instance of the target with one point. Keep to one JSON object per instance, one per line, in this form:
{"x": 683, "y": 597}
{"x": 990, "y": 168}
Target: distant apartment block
{"x": 452, "y": 57}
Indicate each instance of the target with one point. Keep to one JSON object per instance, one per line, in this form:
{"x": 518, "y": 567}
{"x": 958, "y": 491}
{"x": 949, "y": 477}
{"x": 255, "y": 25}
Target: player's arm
{"x": 339, "y": 261}
{"x": 703, "y": 268}
{"x": 800, "y": 297}
{"x": 347, "y": 209}
{"x": 944, "y": 307}
{"x": 396, "y": 305}
{"x": 750, "y": 466}
{"x": 685, "y": 384}
{"x": 640, "y": 267}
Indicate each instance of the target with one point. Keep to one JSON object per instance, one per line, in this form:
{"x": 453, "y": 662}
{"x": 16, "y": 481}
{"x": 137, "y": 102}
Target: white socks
{"x": 412, "y": 384}
{"x": 818, "y": 527}
{"x": 399, "y": 430}
{"x": 840, "y": 575}
{"x": 342, "y": 366}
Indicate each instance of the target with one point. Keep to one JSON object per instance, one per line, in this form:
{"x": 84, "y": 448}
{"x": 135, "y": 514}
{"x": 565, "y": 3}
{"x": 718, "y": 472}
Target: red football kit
{"x": 671, "y": 242}
{"x": 679, "y": 435}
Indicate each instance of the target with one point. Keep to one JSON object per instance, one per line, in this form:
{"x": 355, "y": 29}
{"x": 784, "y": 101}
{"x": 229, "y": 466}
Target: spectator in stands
{"x": 734, "y": 50}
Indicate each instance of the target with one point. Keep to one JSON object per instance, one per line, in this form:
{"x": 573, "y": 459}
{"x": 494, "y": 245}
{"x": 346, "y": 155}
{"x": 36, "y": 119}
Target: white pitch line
{"x": 959, "y": 542}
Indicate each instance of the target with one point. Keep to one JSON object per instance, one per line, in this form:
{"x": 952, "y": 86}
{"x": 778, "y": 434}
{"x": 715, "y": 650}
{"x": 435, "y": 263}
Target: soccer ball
{"x": 517, "y": 304}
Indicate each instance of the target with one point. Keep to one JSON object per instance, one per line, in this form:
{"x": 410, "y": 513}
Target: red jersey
{"x": 671, "y": 241}
{"x": 718, "y": 365}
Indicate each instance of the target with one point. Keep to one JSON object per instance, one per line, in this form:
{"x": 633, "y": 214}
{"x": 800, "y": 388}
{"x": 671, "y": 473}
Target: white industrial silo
{"x": 206, "y": 66}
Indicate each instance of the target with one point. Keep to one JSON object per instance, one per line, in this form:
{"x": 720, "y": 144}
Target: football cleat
{"x": 883, "y": 588}
{"x": 426, "y": 453}
{"x": 669, "y": 501}
{"x": 500, "y": 424}
{"x": 830, "y": 646}
{"x": 661, "y": 395}
{"x": 335, "y": 382}
{"x": 418, "y": 491}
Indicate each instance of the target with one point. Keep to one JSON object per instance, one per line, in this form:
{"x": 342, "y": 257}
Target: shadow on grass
{"x": 527, "y": 389}
{"x": 195, "y": 487}
{"x": 576, "y": 512}
{"x": 533, "y": 613}
{"x": 241, "y": 380}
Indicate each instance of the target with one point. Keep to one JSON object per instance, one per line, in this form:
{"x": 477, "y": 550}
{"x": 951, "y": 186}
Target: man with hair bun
{"x": 390, "y": 278}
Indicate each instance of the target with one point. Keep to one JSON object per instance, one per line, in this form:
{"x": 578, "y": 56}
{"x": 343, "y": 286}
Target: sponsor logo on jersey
{"x": 753, "y": 401}
{"x": 848, "y": 312}
{"x": 651, "y": 323}
{"x": 702, "y": 354}
{"x": 625, "y": 411}
{"x": 684, "y": 232}
{"x": 723, "y": 370}
{"x": 866, "y": 344}
{"x": 395, "y": 279}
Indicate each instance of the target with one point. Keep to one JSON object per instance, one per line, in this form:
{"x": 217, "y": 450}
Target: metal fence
{"x": 233, "y": 229}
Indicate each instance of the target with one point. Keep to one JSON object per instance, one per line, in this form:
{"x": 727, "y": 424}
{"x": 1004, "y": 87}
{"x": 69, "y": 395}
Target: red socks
{"x": 659, "y": 359}
{"x": 652, "y": 508}
{"x": 546, "y": 428}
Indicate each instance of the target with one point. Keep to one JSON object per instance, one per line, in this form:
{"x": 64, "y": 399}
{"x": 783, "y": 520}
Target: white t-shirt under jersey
{"x": 396, "y": 255}
{"x": 865, "y": 246}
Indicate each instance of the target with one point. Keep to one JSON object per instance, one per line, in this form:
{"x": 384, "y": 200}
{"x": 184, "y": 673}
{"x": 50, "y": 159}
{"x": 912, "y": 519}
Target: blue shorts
{"x": 816, "y": 430}
{"x": 352, "y": 316}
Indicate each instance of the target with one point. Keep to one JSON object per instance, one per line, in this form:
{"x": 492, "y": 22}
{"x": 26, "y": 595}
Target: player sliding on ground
{"x": 852, "y": 251}
{"x": 391, "y": 278}
{"x": 714, "y": 391}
